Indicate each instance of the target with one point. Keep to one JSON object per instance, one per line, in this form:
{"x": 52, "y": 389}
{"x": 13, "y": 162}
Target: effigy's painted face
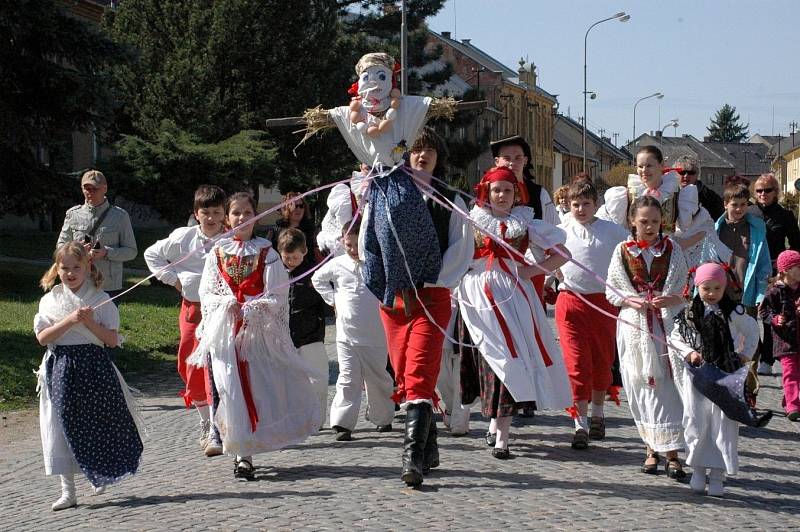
{"x": 374, "y": 86}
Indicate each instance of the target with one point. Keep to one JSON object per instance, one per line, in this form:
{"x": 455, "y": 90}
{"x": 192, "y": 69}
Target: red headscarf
{"x": 500, "y": 173}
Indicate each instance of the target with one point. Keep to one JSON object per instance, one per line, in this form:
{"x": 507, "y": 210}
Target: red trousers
{"x": 415, "y": 344}
{"x": 587, "y": 342}
{"x": 197, "y": 390}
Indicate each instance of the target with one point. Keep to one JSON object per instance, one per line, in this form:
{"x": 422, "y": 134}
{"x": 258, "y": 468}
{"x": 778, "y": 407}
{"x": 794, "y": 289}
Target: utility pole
{"x": 602, "y": 132}
{"x": 793, "y": 125}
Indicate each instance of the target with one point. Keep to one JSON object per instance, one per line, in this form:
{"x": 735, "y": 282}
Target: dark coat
{"x": 710, "y": 200}
{"x": 781, "y": 226}
{"x": 781, "y": 301}
{"x": 307, "y": 309}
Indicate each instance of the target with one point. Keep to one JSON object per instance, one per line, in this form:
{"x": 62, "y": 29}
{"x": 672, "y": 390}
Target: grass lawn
{"x": 149, "y": 323}
{"x": 33, "y": 244}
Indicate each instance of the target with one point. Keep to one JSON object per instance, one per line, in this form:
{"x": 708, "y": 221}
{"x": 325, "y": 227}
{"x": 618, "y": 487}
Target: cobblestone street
{"x": 323, "y": 485}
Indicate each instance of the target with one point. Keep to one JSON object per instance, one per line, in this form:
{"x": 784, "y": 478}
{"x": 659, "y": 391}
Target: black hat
{"x": 728, "y": 392}
{"x": 516, "y": 140}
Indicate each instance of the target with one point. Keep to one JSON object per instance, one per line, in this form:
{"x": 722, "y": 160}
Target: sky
{"x": 700, "y": 54}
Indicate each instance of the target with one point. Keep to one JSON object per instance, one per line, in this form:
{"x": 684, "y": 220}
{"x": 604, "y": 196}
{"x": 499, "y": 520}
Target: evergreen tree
{"x": 726, "y": 126}
{"x": 54, "y": 80}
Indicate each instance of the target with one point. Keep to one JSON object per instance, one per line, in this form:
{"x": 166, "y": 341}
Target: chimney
{"x": 446, "y": 34}
{"x": 465, "y": 41}
{"x": 659, "y": 134}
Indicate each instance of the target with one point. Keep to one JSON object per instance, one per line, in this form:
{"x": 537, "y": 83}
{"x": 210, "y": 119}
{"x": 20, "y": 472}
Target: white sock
{"x": 68, "y": 497}
{"x": 597, "y": 409}
{"x": 204, "y": 411}
{"x": 493, "y": 426}
{"x": 503, "y": 426}
{"x": 581, "y": 423}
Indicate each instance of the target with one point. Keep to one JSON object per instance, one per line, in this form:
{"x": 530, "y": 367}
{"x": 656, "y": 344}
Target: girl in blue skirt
{"x": 85, "y": 407}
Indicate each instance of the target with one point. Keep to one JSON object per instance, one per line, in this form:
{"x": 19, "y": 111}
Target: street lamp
{"x": 622, "y": 17}
{"x": 654, "y": 95}
{"x": 671, "y": 123}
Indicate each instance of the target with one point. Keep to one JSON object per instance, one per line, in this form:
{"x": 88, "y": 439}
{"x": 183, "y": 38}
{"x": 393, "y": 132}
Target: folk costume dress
{"x": 521, "y": 362}
{"x": 267, "y": 396}
{"x": 711, "y": 436}
{"x": 647, "y": 374}
{"x": 683, "y": 216}
{"x": 87, "y": 416}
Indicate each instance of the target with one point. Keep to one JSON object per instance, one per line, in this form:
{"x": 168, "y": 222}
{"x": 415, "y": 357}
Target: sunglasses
{"x": 684, "y": 173}
{"x": 764, "y": 190}
{"x": 299, "y": 206}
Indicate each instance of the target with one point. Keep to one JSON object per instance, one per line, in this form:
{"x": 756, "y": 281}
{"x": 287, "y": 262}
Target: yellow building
{"x": 786, "y": 165}
{"x": 515, "y": 104}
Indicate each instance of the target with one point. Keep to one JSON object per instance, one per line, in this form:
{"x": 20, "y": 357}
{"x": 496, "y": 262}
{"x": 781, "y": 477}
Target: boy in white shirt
{"x": 587, "y": 337}
{"x": 360, "y": 341}
{"x": 209, "y": 209}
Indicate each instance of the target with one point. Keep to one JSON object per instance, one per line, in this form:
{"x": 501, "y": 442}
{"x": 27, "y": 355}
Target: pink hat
{"x": 788, "y": 259}
{"x": 710, "y": 271}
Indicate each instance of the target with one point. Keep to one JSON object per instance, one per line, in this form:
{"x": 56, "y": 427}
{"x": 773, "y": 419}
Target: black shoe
{"x": 501, "y": 454}
{"x": 527, "y": 412}
{"x": 491, "y": 439}
{"x": 418, "y": 420}
{"x": 243, "y": 468}
{"x": 342, "y": 434}
{"x": 580, "y": 440}
{"x": 431, "y": 454}
{"x": 384, "y": 428}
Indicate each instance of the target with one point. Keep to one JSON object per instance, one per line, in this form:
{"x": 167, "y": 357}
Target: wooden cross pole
{"x": 290, "y": 121}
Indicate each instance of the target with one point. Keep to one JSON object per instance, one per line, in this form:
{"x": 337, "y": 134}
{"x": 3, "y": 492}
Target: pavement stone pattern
{"x": 327, "y": 485}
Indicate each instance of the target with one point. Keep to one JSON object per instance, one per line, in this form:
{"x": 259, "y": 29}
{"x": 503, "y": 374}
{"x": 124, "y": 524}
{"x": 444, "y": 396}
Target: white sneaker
{"x": 764, "y": 368}
{"x": 99, "y": 490}
{"x": 214, "y": 444}
{"x": 205, "y": 428}
{"x": 698, "y": 480}
{"x": 716, "y": 478}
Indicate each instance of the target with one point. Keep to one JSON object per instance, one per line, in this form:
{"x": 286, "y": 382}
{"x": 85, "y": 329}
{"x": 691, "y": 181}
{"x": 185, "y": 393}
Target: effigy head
{"x": 376, "y": 79}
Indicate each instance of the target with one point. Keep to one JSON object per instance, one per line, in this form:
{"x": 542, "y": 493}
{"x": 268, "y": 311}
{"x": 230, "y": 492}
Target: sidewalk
{"x": 322, "y": 485}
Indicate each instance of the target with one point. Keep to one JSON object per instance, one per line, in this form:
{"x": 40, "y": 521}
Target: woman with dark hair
{"x": 297, "y": 214}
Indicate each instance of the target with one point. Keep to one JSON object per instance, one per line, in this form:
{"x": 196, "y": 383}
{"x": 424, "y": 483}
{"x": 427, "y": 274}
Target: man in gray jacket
{"x": 104, "y": 229}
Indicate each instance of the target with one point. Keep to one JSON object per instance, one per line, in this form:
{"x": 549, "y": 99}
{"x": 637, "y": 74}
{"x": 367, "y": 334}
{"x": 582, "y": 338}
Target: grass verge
{"x": 149, "y": 318}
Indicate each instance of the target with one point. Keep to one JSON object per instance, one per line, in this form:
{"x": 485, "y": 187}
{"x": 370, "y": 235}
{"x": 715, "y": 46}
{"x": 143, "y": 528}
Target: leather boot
{"x": 418, "y": 419}
{"x": 431, "y": 449}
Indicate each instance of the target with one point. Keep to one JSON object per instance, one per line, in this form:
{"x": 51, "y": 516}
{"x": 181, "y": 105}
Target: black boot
{"x": 418, "y": 420}
{"x": 431, "y": 449}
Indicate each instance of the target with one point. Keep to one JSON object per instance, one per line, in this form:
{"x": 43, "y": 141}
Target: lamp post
{"x": 671, "y": 123}
{"x": 622, "y": 17}
{"x": 643, "y": 98}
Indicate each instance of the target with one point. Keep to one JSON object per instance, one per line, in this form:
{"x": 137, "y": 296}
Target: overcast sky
{"x": 699, "y": 53}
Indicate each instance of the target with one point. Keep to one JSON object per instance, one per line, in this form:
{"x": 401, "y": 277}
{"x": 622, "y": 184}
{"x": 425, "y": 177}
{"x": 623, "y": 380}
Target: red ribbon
{"x": 492, "y": 250}
{"x": 353, "y": 90}
{"x": 252, "y": 285}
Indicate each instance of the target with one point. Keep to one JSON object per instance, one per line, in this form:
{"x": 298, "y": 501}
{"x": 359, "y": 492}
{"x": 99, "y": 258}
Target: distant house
{"x": 785, "y": 157}
{"x": 749, "y": 159}
{"x": 601, "y": 154}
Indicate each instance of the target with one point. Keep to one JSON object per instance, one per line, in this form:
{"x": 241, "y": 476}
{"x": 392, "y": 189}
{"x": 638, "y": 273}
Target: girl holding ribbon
{"x": 520, "y": 361}
{"x": 646, "y": 278}
{"x": 267, "y": 395}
